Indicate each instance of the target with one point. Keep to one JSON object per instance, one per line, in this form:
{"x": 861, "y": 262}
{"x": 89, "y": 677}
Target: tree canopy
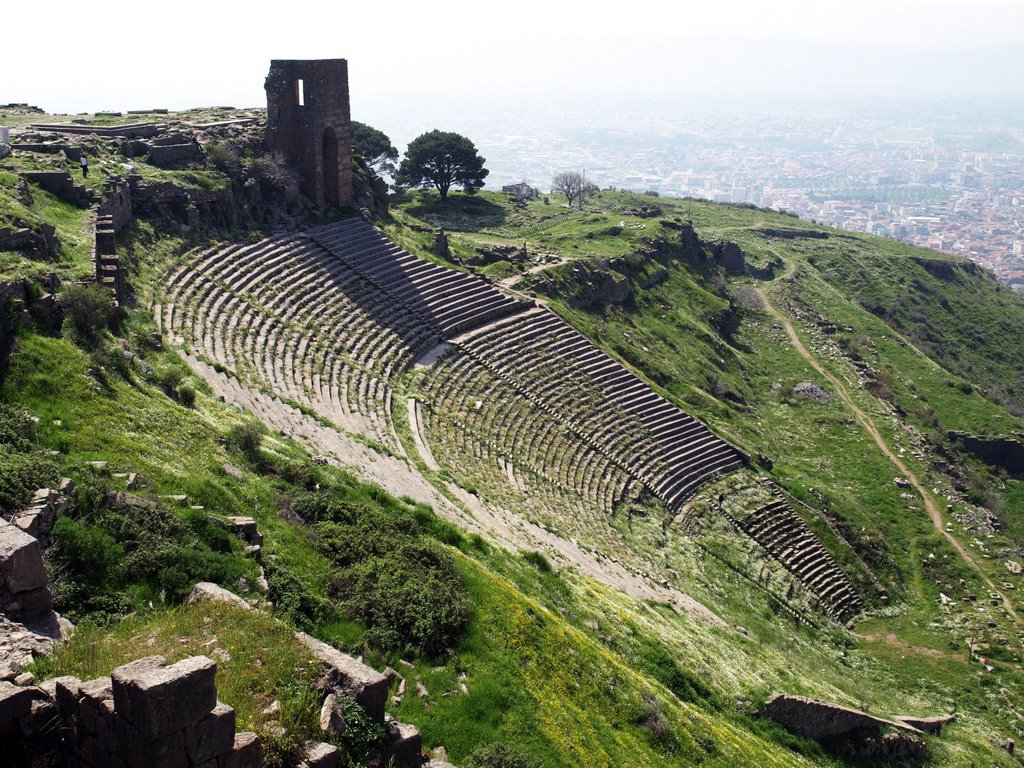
{"x": 375, "y": 147}
{"x": 573, "y": 185}
{"x": 441, "y": 159}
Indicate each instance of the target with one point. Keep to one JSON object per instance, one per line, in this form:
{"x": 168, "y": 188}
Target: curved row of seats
{"x": 453, "y": 301}
{"x": 514, "y": 436}
{"x": 294, "y": 318}
{"x": 777, "y": 528}
{"x": 562, "y": 373}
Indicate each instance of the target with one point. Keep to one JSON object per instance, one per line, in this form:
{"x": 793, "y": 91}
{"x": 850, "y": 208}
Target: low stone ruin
{"x": 349, "y": 677}
{"x": 28, "y": 625}
{"x": 849, "y": 732}
{"x": 346, "y": 676}
{"x": 61, "y": 184}
{"x": 147, "y": 714}
{"x": 24, "y": 594}
{"x": 926, "y": 724}
{"x": 47, "y": 505}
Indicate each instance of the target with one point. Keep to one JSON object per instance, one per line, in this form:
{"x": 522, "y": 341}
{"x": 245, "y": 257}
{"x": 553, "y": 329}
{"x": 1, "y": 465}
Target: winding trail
{"x": 869, "y": 425}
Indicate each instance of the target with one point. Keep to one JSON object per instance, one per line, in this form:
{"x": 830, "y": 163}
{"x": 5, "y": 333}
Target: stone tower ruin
{"x": 309, "y": 126}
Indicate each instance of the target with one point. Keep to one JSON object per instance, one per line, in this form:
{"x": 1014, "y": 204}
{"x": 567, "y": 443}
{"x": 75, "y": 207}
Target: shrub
{"x": 169, "y": 378}
{"x": 20, "y": 473}
{"x": 223, "y": 156}
{"x": 89, "y": 553}
{"x": 538, "y": 561}
{"x": 411, "y": 599}
{"x": 87, "y": 308}
{"x": 247, "y": 437}
{"x": 293, "y": 598}
{"x": 186, "y": 395}
{"x": 17, "y": 428}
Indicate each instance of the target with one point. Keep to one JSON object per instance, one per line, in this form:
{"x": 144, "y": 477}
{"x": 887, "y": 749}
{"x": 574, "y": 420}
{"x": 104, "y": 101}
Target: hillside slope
{"x": 605, "y": 625}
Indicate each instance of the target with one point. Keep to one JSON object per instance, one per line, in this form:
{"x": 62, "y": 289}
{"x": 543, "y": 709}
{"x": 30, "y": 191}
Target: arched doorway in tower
{"x": 331, "y": 170}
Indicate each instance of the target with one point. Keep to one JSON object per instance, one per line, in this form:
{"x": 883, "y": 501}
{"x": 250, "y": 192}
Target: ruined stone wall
{"x": 309, "y": 126}
{"x": 117, "y": 203}
{"x": 147, "y": 714}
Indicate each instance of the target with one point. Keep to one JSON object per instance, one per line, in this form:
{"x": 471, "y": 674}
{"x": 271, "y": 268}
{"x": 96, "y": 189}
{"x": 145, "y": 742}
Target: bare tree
{"x": 571, "y": 184}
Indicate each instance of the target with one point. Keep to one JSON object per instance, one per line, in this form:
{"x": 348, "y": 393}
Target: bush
{"x": 538, "y": 561}
{"x": 293, "y": 598}
{"x": 89, "y": 553}
{"x": 118, "y": 546}
{"x": 87, "y": 308}
{"x": 20, "y": 474}
{"x": 169, "y": 378}
{"x": 411, "y": 599}
{"x": 186, "y": 395}
{"x": 224, "y": 157}
{"x": 247, "y": 437}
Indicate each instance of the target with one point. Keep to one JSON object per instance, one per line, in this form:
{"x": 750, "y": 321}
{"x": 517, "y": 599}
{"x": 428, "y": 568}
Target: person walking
{"x": 85, "y": 166}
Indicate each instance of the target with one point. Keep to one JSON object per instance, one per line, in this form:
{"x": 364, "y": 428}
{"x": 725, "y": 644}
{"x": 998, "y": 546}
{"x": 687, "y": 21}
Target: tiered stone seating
{"x": 522, "y": 402}
{"x": 475, "y": 418}
{"x": 299, "y": 321}
{"x": 554, "y": 366}
{"x": 452, "y": 301}
{"x": 788, "y": 539}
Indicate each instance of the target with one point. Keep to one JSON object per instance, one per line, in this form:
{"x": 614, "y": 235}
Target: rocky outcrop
{"x": 794, "y": 234}
{"x": 207, "y": 592}
{"x": 370, "y": 193}
{"x": 21, "y": 642}
{"x": 1002, "y": 452}
{"x": 47, "y": 505}
{"x": 730, "y": 257}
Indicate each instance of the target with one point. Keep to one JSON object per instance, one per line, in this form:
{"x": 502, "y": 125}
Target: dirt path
{"x": 869, "y": 425}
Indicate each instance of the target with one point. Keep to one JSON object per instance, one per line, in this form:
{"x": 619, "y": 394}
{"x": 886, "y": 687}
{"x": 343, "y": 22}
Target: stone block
{"x": 94, "y": 696}
{"x": 15, "y": 701}
{"x": 138, "y": 751}
{"x": 160, "y": 699}
{"x": 42, "y": 718}
{"x": 66, "y": 693}
{"x": 349, "y": 677}
{"x": 207, "y": 592}
{"x": 247, "y": 752}
{"x": 246, "y": 528}
{"x": 405, "y": 745}
{"x": 21, "y": 560}
{"x": 212, "y": 736}
{"x": 322, "y": 755}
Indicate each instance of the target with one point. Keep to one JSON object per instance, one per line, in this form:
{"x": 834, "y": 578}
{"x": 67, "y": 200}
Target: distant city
{"x": 944, "y": 175}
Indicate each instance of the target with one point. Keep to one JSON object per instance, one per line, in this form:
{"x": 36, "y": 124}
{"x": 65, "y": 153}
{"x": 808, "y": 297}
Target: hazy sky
{"x": 129, "y": 55}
